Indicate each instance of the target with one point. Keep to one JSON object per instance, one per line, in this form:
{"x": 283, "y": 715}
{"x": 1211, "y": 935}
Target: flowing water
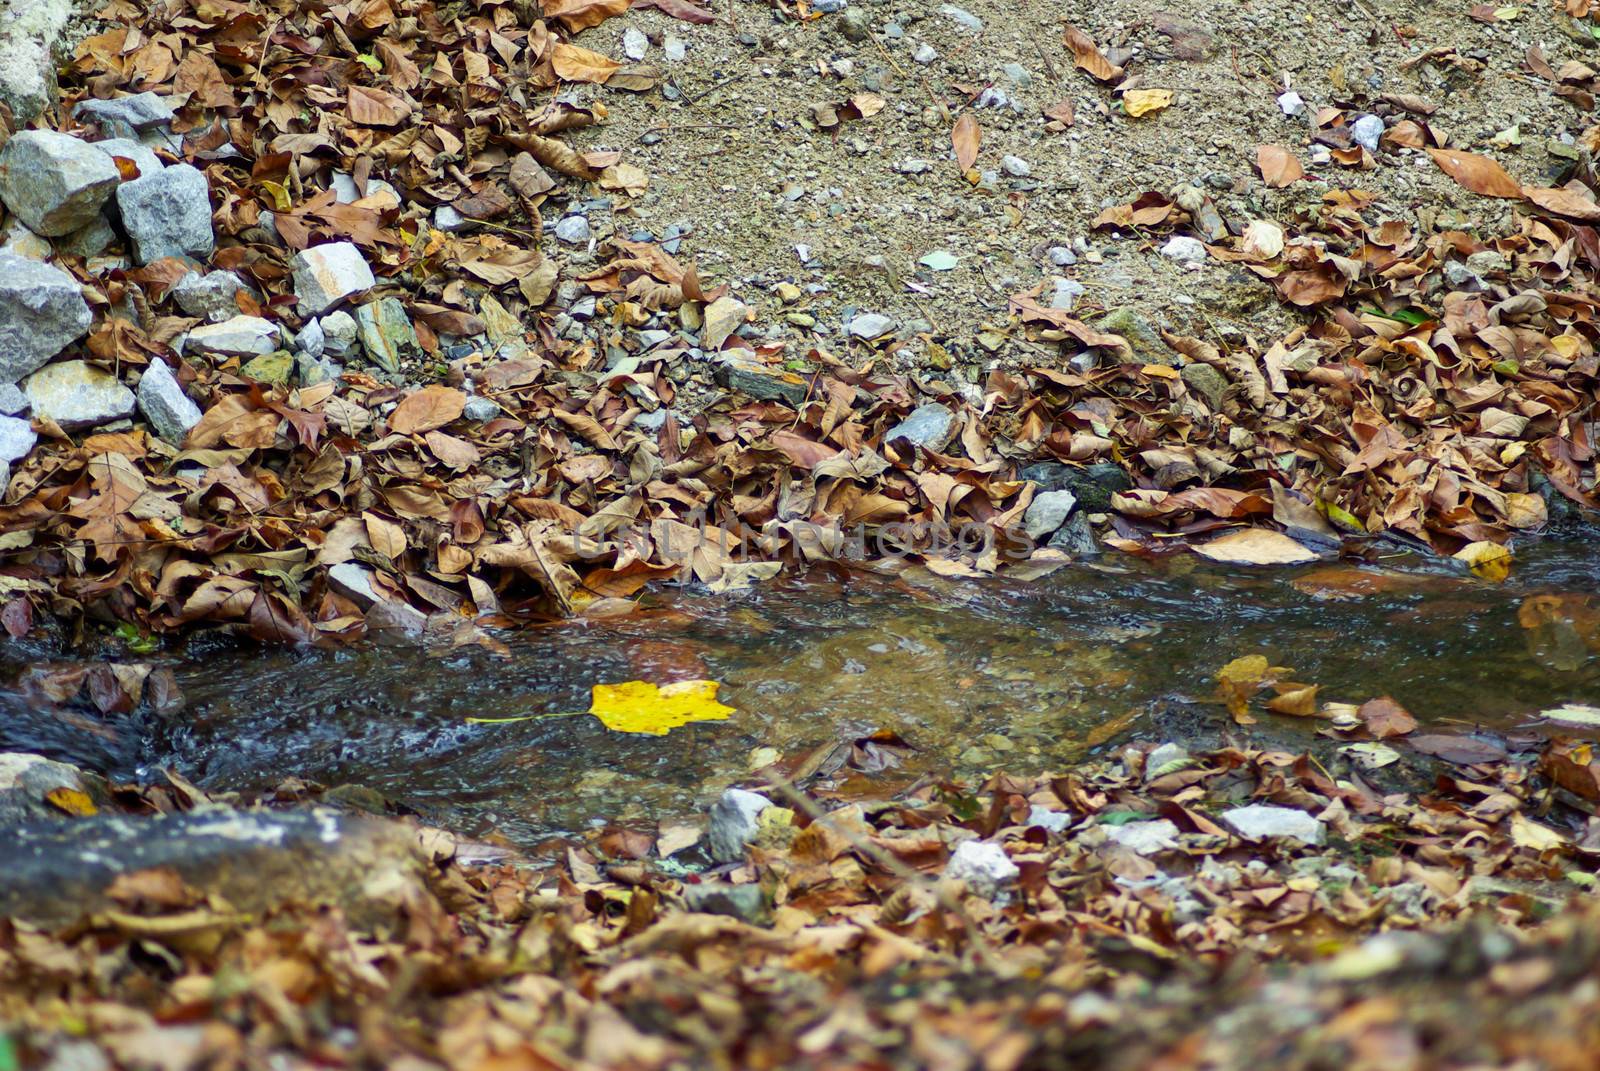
{"x": 970, "y": 676}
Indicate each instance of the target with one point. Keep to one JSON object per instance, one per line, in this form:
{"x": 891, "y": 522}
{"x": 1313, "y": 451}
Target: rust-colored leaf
{"x": 1278, "y": 166}
{"x": 426, "y": 409}
{"x": 1087, "y": 57}
{"x": 1480, "y": 174}
{"x": 965, "y": 137}
{"x": 1384, "y": 718}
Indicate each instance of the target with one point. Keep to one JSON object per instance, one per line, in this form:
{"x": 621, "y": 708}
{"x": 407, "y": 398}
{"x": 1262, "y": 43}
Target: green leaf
{"x": 1122, "y": 818}
{"x": 939, "y": 260}
{"x": 1506, "y": 368}
{"x": 373, "y": 63}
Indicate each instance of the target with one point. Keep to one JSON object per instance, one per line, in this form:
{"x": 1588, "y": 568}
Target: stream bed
{"x": 930, "y": 675}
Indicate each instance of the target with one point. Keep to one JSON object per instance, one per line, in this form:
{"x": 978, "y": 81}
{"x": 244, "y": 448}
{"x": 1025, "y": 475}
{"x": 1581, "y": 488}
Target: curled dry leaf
{"x": 1480, "y": 174}
{"x": 1278, "y": 166}
{"x": 965, "y": 138}
{"x": 376, "y": 107}
{"x": 1087, "y": 57}
{"x": 1574, "y": 201}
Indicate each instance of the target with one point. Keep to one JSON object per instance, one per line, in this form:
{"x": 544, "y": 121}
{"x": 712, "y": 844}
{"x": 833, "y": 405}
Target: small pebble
{"x": 925, "y": 54}
{"x": 574, "y": 230}
{"x": 1015, "y": 166}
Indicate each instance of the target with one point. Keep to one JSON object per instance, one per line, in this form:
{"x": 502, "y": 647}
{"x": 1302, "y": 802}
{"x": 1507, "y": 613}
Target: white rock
{"x": 1260, "y": 821}
{"x": 1291, "y": 103}
{"x": 1047, "y": 512}
{"x": 984, "y": 867}
{"x": 1066, "y": 293}
{"x": 734, "y": 823}
{"x": 340, "y": 333}
{"x": 722, "y": 318}
{"x": 1162, "y": 757}
{"x": 925, "y": 54}
{"x": 1015, "y": 166}
{"x": 380, "y": 194}
{"x": 634, "y": 43}
{"x": 574, "y": 230}
{"x": 675, "y": 48}
{"x": 1052, "y": 821}
{"x": 1366, "y": 131}
{"x": 1145, "y": 838}
{"x": 871, "y": 325}
{"x": 325, "y": 275}
{"x": 165, "y": 405}
{"x": 241, "y": 336}
{"x": 16, "y": 438}
{"x": 211, "y": 296}
{"x": 1184, "y": 250}
{"x": 12, "y": 400}
{"x": 76, "y": 395}
{"x": 143, "y": 158}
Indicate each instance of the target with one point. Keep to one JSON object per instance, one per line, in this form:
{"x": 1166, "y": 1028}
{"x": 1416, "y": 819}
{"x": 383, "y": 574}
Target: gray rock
{"x": 984, "y": 867}
{"x": 1052, "y": 821}
{"x": 870, "y": 325}
{"x": 164, "y": 404}
{"x": 325, "y": 275}
{"x": 346, "y": 192}
{"x": 1144, "y": 340}
{"x": 930, "y": 426}
{"x": 675, "y": 48}
{"x": 1093, "y": 484}
{"x": 211, "y": 296}
{"x": 88, "y": 241}
{"x": 480, "y": 409}
{"x": 30, "y": 33}
{"x": 167, "y": 214}
{"x": 1461, "y": 277}
{"x": 1015, "y": 166}
{"x": 12, "y": 400}
{"x": 745, "y": 902}
{"x": 1488, "y": 262}
{"x": 1047, "y": 512}
{"x": 42, "y": 310}
{"x": 1062, "y": 256}
{"x": 760, "y": 382}
{"x": 634, "y": 43}
{"x": 241, "y": 336}
{"x": 125, "y": 116}
{"x": 16, "y": 438}
{"x": 311, "y": 341}
{"x": 962, "y": 17}
{"x": 1066, "y": 293}
{"x": 1261, "y": 821}
{"x": 1144, "y": 838}
{"x": 19, "y": 241}
{"x": 386, "y": 334}
{"x": 26, "y": 779}
{"x": 1366, "y": 131}
{"x": 76, "y": 395}
{"x": 313, "y": 371}
{"x": 53, "y": 182}
{"x": 733, "y": 823}
{"x": 1163, "y": 759}
{"x": 354, "y": 582}
{"x": 574, "y": 230}
{"x": 1076, "y": 537}
{"x": 925, "y": 54}
{"x": 854, "y": 25}
{"x": 1207, "y": 382}
{"x": 1291, "y": 103}
{"x": 830, "y": 7}
{"x": 339, "y": 334}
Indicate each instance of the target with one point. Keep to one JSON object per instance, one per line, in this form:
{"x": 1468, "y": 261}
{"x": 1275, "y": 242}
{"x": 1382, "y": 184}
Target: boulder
{"x": 167, "y": 214}
{"x": 53, "y": 182}
{"x": 386, "y": 334}
{"x": 30, "y": 30}
{"x": 78, "y": 395}
{"x": 931, "y": 426}
{"x": 211, "y": 296}
{"x": 164, "y": 404}
{"x": 42, "y": 310}
{"x": 142, "y": 156}
{"x": 88, "y": 241}
{"x": 125, "y": 116}
{"x": 325, "y": 275}
{"x": 1047, "y": 512}
{"x": 18, "y": 240}
{"x": 241, "y": 336}
{"x": 27, "y": 782}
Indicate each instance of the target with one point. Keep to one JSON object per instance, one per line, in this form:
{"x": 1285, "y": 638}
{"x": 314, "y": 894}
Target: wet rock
{"x": 745, "y": 902}
{"x": 53, "y": 182}
{"x": 1207, "y": 382}
{"x": 19, "y": 241}
{"x": 1144, "y": 838}
{"x": 125, "y": 117}
{"x": 77, "y": 395}
{"x": 722, "y": 318}
{"x": 930, "y": 426}
{"x": 761, "y": 383}
{"x": 870, "y": 325}
{"x": 42, "y": 310}
{"x": 212, "y": 296}
{"x": 1076, "y": 537}
{"x": 734, "y": 823}
{"x": 275, "y": 369}
{"x": 167, "y": 214}
{"x": 25, "y": 782}
{"x": 339, "y": 334}
{"x": 252, "y": 860}
{"x": 480, "y": 409}
{"x": 325, "y": 275}
{"x": 1047, "y": 512}
{"x": 1262, "y": 821}
{"x": 164, "y": 404}
{"x": 240, "y": 336}
{"x": 1093, "y": 484}
{"x": 1184, "y": 250}
{"x": 16, "y": 438}
{"x": 984, "y": 867}
{"x": 387, "y": 336}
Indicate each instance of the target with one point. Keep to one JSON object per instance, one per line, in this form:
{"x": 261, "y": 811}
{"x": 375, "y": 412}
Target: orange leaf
{"x": 575, "y": 64}
{"x": 1564, "y": 201}
{"x": 578, "y": 15}
{"x": 1088, "y": 58}
{"x": 1385, "y": 718}
{"x": 965, "y": 137}
{"x": 426, "y": 409}
{"x": 1278, "y": 166}
{"x": 1480, "y": 174}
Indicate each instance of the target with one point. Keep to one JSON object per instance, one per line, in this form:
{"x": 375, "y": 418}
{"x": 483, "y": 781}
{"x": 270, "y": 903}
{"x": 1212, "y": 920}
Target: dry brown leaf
{"x": 574, "y": 63}
{"x": 1480, "y": 174}
{"x": 1278, "y": 166}
{"x": 578, "y": 15}
{"x": 965, "y": 137}
{"x": 426, "y": 409}
{"x": 1565, "y": 201}
{"x": 1087, "y": 57}
{"x": 1384, "y": 718}
{"x": 376, "y": 107}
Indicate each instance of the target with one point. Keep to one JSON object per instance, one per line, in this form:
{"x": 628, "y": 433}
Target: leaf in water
{"x": 1576, "y": 715}
{"x": 965, "y": 137}
{"x": 1371, "y": 755}
{"x": 1140, "y": 102}
{"x": 1238, "y": 681}
{"x": 1480, "y": 174}
{"x": 1462, "y": 750}
{"x": 642, "y": 707}
{"x": 1294, "y": 699}
{"x": 1256, "y": 546}
{"x": 1384, "y": 718}
{"x": 1489, "y": 561}
{"x": 71, "y": 801}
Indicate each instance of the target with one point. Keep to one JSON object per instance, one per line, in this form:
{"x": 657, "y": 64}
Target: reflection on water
{"x": 972, "y": 675}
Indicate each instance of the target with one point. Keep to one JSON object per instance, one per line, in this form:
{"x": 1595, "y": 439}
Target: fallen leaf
{"x": 1489, "y": 561}
{"x": 1138, "y": 102}
{"x": 1384, "y": 718}
{"x": 426, "y": 409}
{"x": 1278, "y": 166}
{"x": 1255, "y": 546}
{"x": 965, "y": 136}
{"x": 578, "y": 15}
{"x": 642, "y": 707}
{"x": 1480, "y": 174}
{"x": 376, "y": 107}
{"x": 1564, "y": 201}
{"x": 1087, "y": 57}
{"x": 574, "y": 63}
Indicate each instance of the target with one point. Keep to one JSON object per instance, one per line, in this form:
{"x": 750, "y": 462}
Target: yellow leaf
{"x": 71, "y": 801}
{"x": 1160, "y": 371}
{"x": 641, "y": 707}
{"x": 1139, "y": 102}
{"x": 1490, "y": 561}
{"x": 1529, "y": 834}
{"x": 281, "y": 201}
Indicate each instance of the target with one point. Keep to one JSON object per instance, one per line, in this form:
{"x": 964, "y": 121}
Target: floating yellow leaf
{"x": 641, "y": 707}
{"x": 1490, "y": 561}
{"x": 71, "y": 801}
{"x": 1139, "y": 102}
